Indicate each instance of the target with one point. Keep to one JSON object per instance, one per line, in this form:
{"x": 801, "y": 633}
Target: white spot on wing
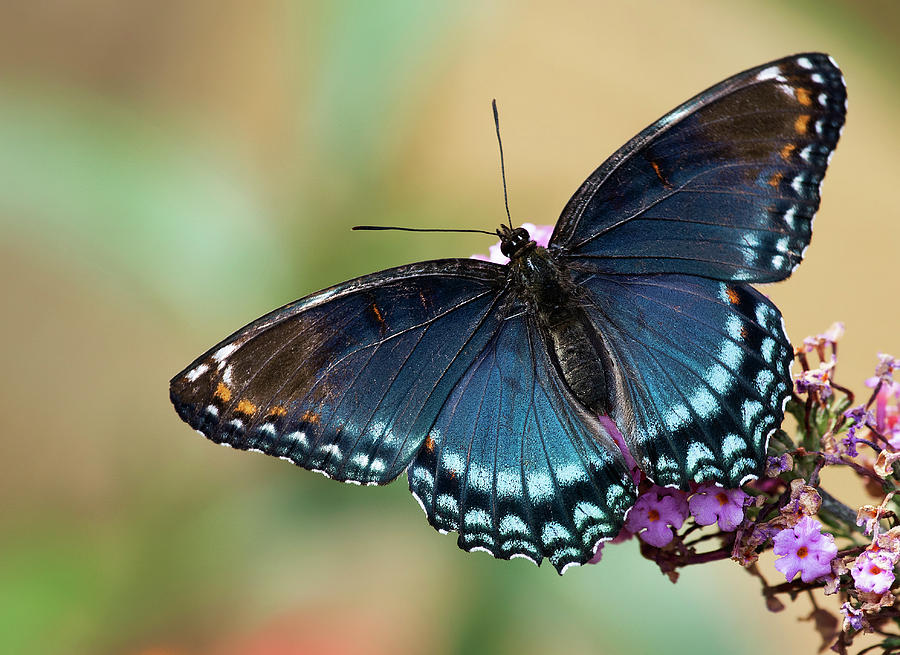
{"x": 332, "y": 449}
{"x": 569, "y": 473}
{"x": 477, "y": 517}
{"x": 703, "y": 402}
{"x": 195, "y": 373}
{"x": 540, "y": 486}
{"x": 696, "y": 453}
{"x": 732, "y": 444}
{"x": 790, "y": 216}
{"x": 554, "y": 531}
{"x": 224, "y": 352}
{"x": 447, "y": 504}
{"x": 677, "y": 417}
{"x": 512, "y": 524}
{"x": 770, "y": 73}
{"x": 299, "y": 437}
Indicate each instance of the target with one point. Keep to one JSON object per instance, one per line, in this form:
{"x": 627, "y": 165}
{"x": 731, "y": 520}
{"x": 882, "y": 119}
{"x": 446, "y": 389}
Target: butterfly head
{"x": 514, "y": 242}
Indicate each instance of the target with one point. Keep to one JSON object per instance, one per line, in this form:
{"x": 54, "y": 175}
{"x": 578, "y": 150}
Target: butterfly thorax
{"x": 574, "y": 345}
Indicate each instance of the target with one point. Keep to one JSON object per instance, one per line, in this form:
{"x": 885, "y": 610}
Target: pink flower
{"x": 540, "y": 234}
{"x": 712, "y": 503}
{"x": 777, "y": 465}
{"x": 817, "y": 380}
{"x": 873, "y": 571}
{"x": 887, "y": 413}
{"x": 818, "y": 342}
{"x": 886, "y": 367}
{"x": 853, "y": 617}
{"x": 804, "y": 549}
{"x": 656, "y": 514}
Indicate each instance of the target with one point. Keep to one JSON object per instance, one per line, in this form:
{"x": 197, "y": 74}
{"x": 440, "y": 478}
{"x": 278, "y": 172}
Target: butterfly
{"x": 497, "y": 388}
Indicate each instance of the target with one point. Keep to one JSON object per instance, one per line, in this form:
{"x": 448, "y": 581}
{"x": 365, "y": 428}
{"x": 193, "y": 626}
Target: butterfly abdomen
{"x": 570, "y": 339}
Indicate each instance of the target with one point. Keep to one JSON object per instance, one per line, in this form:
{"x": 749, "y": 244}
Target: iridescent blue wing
{"x": 347, "y": 381}
{"x": 702, "y": 371}
{"x": 515, "y": 465}
{"x": 724, "y": 186}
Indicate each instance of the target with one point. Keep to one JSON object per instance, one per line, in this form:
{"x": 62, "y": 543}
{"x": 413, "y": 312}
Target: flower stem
{"x": 839, "y": 510}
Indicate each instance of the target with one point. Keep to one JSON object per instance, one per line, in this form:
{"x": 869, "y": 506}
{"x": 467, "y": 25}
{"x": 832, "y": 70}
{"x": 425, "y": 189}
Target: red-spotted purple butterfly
{"x": 484, "y": 382}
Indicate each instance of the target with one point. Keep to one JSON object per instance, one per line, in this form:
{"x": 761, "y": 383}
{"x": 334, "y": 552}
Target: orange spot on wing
{"x": 733, "y": 296}
{"x": 775, "y": 180}
{"x": 429, "y": 444}
{"x": 278, "y": 410}
{"x": 246, "y": 407}
{"x": 787, "y": 151}
{"x": 804, "y": 97}
{"x": 659, "y": 174}
{"x": 223, "y": 393}
{"x": 311, "y": 417}
{"x": 377, "y": 313}
{"x": 744, "y": 332}
{"x": 801, "y": 124}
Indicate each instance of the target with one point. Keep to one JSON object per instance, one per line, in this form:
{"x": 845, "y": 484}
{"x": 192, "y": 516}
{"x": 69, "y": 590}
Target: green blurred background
{"x": 171, "y": 170}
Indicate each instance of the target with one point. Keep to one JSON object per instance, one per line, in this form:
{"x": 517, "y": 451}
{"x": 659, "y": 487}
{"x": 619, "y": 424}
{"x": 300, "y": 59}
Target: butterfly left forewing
{"x": 348, "y": 380}
{"x": 724, "y": 186}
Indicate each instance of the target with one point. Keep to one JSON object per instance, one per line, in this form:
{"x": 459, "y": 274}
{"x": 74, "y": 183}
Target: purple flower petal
{"x": 873, "y": 572}
{"x": 712, "y": 503}
{"x": 657, "y": 514}
{"x": 804, "y": 549}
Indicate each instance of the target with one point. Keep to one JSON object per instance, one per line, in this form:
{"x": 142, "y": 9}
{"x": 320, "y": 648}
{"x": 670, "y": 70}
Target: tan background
{"x": 171, "y": 170}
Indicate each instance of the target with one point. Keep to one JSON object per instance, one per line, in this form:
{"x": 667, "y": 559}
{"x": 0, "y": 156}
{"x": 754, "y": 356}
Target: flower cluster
{"x": 850, "y": 555}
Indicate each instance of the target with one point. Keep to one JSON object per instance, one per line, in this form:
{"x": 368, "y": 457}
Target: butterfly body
{"x": 551, "y": 299}
{"x": 498, "y": 389}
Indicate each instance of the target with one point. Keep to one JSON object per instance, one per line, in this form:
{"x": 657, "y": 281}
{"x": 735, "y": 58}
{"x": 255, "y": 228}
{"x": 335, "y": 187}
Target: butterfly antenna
{"x": 416, "y": 229}
{"x": 502, "y": 165}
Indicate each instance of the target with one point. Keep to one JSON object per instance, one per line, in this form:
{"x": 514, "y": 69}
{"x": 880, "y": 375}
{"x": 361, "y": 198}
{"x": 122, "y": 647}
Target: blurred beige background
{"x": 171, "y": 170}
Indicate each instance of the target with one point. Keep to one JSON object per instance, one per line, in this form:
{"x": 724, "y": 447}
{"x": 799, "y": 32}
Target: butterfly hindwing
{"x": 346, "y": 381}
{"x": 515, "y": 465}
{"x": 702, "y": 368}
{"x": 724, "y": 186}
